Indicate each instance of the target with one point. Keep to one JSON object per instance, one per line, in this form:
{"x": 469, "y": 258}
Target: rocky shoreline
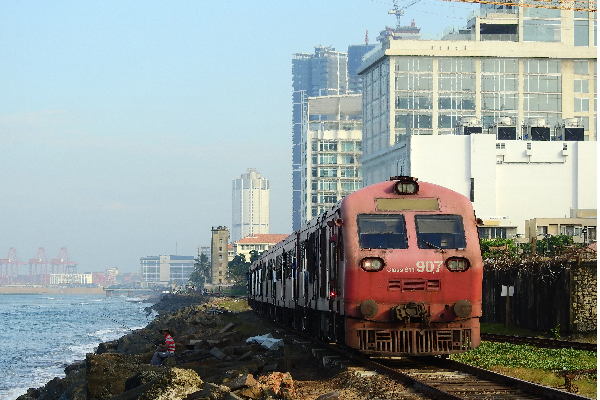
{"x": 213, "y": 361}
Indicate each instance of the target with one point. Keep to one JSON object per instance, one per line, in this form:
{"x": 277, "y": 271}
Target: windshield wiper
{"x": 431, "y": 245}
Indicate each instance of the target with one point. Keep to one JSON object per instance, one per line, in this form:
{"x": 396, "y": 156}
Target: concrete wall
{"x": 512, "y": 183}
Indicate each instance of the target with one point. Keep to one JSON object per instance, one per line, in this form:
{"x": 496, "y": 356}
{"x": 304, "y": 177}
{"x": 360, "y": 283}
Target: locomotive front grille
{"x": 414, "y": 341}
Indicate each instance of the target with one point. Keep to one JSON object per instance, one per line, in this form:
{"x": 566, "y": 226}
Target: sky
{"x": 124, "y": 123}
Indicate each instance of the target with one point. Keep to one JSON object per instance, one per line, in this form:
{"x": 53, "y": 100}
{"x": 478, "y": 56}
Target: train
{"x": 392, "y": 269}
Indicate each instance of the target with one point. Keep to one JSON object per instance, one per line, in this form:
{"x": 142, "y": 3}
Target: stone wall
{"x": 584, "y": 297}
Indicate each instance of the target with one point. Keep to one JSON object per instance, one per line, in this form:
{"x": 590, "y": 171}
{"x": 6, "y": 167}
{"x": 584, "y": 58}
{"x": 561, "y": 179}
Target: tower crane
{"x": 399, "y": 11}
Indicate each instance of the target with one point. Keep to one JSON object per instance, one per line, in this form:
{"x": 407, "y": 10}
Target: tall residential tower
{"x": 250, "y": 205}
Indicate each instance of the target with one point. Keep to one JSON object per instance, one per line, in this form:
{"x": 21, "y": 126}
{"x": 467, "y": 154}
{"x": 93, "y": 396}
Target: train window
{"x": 387, "y": 231}
{"x": 440, "y": 231}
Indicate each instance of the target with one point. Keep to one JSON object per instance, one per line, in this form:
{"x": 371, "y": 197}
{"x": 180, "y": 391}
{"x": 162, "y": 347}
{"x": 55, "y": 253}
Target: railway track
{"x": 433, "y": 377}
{"x": 539, "y": 342}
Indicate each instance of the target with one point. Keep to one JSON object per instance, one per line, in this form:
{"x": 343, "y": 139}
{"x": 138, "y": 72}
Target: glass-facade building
{"x": 320, "y": 74}
{"x": 519, "y": 63}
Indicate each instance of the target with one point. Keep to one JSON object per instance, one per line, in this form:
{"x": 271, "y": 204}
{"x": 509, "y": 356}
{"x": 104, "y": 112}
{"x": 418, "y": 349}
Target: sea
{"x": 42, "y": 334}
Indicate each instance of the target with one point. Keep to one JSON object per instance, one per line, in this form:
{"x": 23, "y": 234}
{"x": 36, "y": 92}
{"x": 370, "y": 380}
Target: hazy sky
{"x": 123, "y": 123}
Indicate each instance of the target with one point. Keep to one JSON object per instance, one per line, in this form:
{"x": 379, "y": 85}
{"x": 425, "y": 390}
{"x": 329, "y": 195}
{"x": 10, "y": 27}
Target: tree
{"x": 201, "y": 271}
{"x": 254, "y": 255}
{"x": 237, "y": 269}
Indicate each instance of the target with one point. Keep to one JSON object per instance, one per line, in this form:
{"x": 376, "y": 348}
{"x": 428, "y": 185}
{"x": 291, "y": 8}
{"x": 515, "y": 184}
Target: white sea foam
{"x": 56, "y": 331}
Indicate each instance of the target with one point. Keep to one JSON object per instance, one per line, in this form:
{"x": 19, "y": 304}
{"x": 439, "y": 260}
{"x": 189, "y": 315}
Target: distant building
{"x": 323, "y": 73}
{"x": 257, "y": 242}
{"x": 250, "y": 205}
{"x": 582, "y": 225}
{"x": 219, "y": 255}
{"x": 355, "y": 54}
{"x": 71, "y": 279}
{"x": 166, "y": 270}
{"x": 204, "y": 250}
{"x": 331, "y": 150}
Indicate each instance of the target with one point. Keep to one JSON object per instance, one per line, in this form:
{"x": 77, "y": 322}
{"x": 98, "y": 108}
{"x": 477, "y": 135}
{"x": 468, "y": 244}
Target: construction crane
{"x": 575, "y": 5}
{"x": 399, "y": 11}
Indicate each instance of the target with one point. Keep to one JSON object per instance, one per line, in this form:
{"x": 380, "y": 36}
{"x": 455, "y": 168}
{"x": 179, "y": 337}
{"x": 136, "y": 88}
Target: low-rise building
{"x": 166, "y": 270}
{"x": 581, "y": 224}
{"x": 71, "y": 279}
{"x": 257, "y": 242}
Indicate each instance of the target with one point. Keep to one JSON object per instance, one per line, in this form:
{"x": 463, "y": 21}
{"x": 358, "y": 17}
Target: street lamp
{"x": 584, "y": 231}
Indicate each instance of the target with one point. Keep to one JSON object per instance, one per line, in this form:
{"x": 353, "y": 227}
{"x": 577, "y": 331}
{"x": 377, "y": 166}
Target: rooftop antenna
{"x": 367, "y": 37}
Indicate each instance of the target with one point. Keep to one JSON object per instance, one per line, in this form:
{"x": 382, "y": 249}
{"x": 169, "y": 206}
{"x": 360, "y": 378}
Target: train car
{"x": 393, "y": 269}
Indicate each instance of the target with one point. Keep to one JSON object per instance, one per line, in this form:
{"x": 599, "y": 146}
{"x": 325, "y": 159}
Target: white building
{"x": 164, "y": 270}
{"x": 524, "y": 65}
{"x": 331, "y": 150}
{"x": 256, "y": 242}
{"x": 71, "y": 279}
{"x": 250, "y": 205}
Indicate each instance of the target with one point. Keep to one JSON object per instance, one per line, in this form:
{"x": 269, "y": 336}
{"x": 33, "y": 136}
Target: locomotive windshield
{"x": 440, "y": 232}
{"x": 382, "y": 231}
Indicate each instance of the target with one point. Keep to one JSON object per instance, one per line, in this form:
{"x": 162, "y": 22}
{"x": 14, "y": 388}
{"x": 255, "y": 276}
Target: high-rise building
{"x": 320, "y": 74}
{"x": 492, "y": 111}
{"x": 331, "y": 137}
{"x": 355, "y": 55}
{"x": 250, "y": 205}
{"x": 219, "y": 256}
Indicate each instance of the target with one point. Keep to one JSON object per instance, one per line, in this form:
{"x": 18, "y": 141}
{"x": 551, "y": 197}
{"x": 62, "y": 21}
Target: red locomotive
{"x": 392, "y": 269}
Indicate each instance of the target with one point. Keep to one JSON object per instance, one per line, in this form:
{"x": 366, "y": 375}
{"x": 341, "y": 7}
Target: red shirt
{"x": 169, "y": 343}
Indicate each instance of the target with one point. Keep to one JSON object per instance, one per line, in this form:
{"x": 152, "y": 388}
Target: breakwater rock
{"x": 212, "y": 359}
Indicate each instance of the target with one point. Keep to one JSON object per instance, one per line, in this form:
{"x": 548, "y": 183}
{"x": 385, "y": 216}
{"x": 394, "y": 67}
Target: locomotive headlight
{"x": 406, "y": 185}
{"x": 372, "y": 264}
{"x": 457, "y": 264}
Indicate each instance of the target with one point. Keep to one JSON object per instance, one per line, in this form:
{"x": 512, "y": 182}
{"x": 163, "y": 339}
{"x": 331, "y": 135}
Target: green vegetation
{"x": 533, "y": 364}
{"x": 499, "y": 329}
{"x": 201, "y": 271}
{"x": 551, "y": 246}
{"x": 490, "y": 354}
{"x": 238, "y": 268}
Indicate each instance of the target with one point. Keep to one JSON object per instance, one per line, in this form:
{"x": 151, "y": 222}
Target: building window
{"x": 582, "y": 86}
{"x": 472, "y": 191}
{"x": 491, "y": 233}
{"x": 328, "y": 159}
{"x": 327, "y": 146}
{"x": 328, "y": 185}
{"x": 327, "y": 198}
{"x": 328, "y": 172}
{"x": 582, "y": 104}
{"x": 581, "y": 33}
{"x": 581, "y": 67}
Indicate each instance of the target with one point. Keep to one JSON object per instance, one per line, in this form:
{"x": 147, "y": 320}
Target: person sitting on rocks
{"x": 165, "y": 351}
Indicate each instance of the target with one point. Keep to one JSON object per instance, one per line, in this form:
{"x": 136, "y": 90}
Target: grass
{"x": 534, "y": 364}
{"x": 588, "y": 337}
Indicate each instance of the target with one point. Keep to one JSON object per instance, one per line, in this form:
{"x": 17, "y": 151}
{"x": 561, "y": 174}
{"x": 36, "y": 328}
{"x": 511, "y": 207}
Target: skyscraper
{"x": 250, "y": 205}
{"x": 355, "y": 55}
{"x": 320, "y": 74}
